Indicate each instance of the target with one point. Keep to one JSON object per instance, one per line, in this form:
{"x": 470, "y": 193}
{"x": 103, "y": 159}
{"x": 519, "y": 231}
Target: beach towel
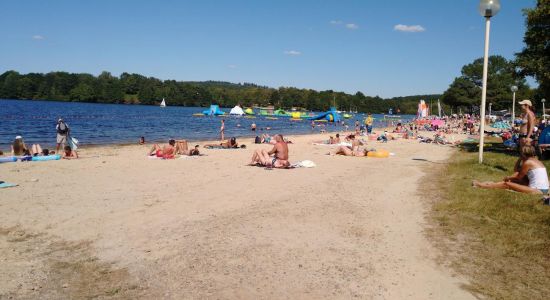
{"x": 303, "y": 164}
{"x": 6, "y": 184}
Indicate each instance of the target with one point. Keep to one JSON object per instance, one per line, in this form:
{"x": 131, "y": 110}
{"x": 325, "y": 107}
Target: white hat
{"x": 18, "y": 137}
{"x": 528, "y": 102}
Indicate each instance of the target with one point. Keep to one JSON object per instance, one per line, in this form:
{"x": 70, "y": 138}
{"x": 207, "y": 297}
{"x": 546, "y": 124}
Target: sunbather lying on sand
{"x": 182, "y": 148}
{"x": 331, "y": 140}
{"x": 277, "y": 157}
{"x": 530, "y": 176}
{"x": 231, "y": 143}
{"x": 166, "y": 152}
{"x": 348, "y": 152}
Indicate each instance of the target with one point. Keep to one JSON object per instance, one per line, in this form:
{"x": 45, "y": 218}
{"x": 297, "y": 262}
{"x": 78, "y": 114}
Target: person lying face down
{"x": 277, "y": 157}
{"x": 68, "y": 153}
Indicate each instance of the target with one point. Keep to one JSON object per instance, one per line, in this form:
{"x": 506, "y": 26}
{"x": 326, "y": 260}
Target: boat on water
{"x": 163, "y": 103}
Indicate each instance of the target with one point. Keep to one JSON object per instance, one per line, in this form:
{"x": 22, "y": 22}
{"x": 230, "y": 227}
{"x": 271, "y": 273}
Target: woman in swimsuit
{"x": 530, "y": 175}
{"x": 18, "y": 147}
{"x": 346, "y": 151}
{"x": 527, "y": 123}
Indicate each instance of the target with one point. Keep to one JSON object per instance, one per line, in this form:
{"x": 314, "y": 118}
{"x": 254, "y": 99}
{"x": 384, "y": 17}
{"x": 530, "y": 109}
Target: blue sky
{"x": 385, "y": 48}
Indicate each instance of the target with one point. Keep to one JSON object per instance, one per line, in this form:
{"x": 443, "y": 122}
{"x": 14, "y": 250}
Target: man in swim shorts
{"x": 277, "y": 157}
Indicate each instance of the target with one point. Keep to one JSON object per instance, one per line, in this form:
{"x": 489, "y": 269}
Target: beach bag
{"x": 257, "y": 140}
{"x": 62, "y": 128}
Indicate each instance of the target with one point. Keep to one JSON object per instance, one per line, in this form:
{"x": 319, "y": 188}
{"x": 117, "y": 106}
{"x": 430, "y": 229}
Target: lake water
{"x": 95, "y": 124}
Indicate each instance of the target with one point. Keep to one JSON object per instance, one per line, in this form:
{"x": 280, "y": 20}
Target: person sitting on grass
{"x": 68, "y": 153}
{"x": 530, "y": 175}
{"x": 277, "y": 157}
{"x": 166, "y": 152}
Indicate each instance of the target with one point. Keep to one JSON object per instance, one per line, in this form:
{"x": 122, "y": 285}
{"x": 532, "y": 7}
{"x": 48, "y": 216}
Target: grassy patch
{"x": 499, "y": 239}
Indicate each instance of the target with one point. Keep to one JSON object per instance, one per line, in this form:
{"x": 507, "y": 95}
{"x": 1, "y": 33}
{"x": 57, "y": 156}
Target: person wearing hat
{"x": 62, "y": 133}
{"x": 527, "y": 124}
{"x": 18, "y": 147}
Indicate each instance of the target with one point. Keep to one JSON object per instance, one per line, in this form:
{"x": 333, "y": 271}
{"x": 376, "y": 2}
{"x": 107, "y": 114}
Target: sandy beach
{"x": 118, "y": 224}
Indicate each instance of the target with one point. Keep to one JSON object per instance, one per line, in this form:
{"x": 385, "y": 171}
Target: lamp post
{"x": 490, "y": 108}
{"x": 514, "y": 89}
{"x": 543, "y": 110}
{"x": 487, "y": 9}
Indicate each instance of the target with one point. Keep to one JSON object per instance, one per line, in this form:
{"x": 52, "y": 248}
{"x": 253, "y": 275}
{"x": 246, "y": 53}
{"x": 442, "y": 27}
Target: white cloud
{"x": 335, "y": 22}
{"x": 352, "y": 26}
{"x": 37, "y": 37}
{"x": 293, "y": 52}
{"x": 232, "y": 66}
{"x": 409, "y": 28}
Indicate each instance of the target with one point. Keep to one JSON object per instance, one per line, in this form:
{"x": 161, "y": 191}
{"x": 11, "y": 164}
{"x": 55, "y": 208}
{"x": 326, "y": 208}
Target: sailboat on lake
{"x": 163, "y": 103}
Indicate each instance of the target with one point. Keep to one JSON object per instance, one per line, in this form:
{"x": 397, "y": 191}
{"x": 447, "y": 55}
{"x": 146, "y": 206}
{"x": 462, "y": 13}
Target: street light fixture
{"x": 514, "y": 89}
{"x": 487, "y": 9}
{"x": 543, "y": 110}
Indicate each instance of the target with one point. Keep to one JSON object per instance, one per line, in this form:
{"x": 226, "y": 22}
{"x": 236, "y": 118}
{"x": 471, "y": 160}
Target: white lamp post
{"x": 490, "y": 108}
{"x": 514, "y": 89}
{"x": 487, "y": 9}
{"x": 543, "y": 110}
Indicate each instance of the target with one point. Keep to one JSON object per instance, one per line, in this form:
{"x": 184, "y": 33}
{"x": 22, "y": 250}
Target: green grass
{"x": 498, "y": 239}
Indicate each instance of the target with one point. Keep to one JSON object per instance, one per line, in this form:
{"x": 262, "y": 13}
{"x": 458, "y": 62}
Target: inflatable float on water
{"x": 330, "y": 116}
{"x": 213, "y": 111}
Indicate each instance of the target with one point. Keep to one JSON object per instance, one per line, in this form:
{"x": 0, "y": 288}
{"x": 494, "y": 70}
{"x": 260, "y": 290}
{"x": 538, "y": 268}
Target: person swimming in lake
{"x": 277, "y": 157}
{"x": 166, "y": 152}
{"x": 529, "y": 176}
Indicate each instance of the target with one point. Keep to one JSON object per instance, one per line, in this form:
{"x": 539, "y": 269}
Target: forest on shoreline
{"x": 138, "y": 89}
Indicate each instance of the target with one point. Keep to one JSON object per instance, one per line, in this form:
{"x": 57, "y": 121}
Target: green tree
{"x": 465, "y": 91}
{"x": 534, "y": 59}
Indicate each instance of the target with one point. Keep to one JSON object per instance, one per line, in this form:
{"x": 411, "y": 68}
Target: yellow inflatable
{"x": 296, "y": 115}
{"x": 379, "y": 154}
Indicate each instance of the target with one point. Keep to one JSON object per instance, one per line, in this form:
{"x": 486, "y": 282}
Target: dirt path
{"x": 214, "y": 228}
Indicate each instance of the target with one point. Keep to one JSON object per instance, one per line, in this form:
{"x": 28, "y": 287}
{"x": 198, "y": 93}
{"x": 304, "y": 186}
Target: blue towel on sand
{"x": 6, "y": 185}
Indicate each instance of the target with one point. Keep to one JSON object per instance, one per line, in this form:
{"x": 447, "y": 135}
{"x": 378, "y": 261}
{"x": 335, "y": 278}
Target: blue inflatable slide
{"x": 331, "y": 116}
{"x": 213, "y": 111}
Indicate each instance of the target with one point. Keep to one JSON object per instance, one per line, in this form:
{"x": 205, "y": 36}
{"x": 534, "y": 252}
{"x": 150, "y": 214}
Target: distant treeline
{"x": 138, "y": 89}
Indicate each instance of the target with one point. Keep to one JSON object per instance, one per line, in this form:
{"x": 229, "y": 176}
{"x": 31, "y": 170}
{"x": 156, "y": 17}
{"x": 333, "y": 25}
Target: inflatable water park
{"x": 330, "y": 116}
{"x": 271, "y": 113}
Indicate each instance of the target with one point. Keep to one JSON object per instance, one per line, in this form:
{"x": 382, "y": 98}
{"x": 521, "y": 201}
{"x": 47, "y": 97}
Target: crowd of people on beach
{"x": 529, "y": 175}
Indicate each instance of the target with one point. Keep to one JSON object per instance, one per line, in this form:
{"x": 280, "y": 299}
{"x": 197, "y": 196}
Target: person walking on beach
{"x": 527, "y": 126}
{"x": 62, "y": 133}
{"x": 222, "y": 131}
